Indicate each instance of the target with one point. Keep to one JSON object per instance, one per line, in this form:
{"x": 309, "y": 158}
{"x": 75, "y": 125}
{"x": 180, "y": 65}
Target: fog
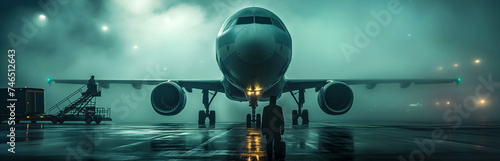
{"x": 176, "y": 40}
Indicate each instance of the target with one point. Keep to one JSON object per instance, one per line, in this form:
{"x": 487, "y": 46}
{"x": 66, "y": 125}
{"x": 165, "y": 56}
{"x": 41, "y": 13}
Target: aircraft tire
{"x": 305, "y": 117}
{"x": 212, "y": 117}
{"x": 249, "y": 120}
{"x": 201, "y": 117}
{"x": 294, "y": 117}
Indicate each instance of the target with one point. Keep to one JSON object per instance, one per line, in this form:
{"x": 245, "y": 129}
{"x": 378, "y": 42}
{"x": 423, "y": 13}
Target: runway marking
{"x": 200, "y": 147}
{"x": 195, "y": 151}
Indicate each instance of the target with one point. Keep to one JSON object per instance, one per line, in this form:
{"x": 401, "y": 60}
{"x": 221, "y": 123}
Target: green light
{"x": 459, "y": 80}
{"x": 48, "y": 79}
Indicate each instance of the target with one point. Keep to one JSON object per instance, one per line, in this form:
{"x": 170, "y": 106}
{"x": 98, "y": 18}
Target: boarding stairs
{"x": 78, "y": 103}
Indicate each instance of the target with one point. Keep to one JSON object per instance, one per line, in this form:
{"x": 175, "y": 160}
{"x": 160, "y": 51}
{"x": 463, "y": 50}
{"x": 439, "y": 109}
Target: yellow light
{"x": 482, "y": 101}
{"x": 437, "y": 103}
{"x": 455, "y": 65}
{"x": 448, "y": 102}
{"x": 249, "y": 92}
{"x": 257, "y": 93}
{"x": 24, "y": 86}
{"x": 41, "y": 116}
{"x": 28, "y": 117}
{"x": 477, "y": 61}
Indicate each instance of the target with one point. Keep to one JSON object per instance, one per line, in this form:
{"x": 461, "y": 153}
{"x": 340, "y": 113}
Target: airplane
{"x": 253, "y": 52}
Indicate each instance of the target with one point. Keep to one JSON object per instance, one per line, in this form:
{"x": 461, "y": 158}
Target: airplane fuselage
{"x": 254, "y": 50}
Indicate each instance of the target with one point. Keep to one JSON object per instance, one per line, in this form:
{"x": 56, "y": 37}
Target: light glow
{"x": 42, "y": 17}
{"x": 105, "y": 28}
{"x": 477, "y": 61}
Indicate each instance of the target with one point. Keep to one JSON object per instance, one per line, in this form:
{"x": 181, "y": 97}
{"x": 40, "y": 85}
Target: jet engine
{"x": 335, "y": 98}
{"x": 168, "y": 99}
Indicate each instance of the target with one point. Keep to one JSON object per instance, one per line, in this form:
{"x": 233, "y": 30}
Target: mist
{"x": 176, "y": 40}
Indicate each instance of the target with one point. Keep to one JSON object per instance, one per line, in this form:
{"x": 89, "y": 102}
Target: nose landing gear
{"x": 253, "y": 118}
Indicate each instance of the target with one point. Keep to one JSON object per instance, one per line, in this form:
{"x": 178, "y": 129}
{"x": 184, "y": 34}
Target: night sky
{"x": 140, "y": 39}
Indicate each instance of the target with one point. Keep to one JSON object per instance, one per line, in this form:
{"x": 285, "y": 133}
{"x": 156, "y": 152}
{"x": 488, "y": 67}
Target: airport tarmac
{"x": 232, "y": 141}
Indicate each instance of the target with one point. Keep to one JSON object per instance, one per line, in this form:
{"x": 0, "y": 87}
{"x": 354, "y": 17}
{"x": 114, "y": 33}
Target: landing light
{"x": 41, "y": 17}
{"x": 257, "y": 93}
{"x": 249, "y": 92}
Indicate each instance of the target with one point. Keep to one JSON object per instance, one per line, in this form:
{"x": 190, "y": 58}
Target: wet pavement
{"x": 229, "y": 141}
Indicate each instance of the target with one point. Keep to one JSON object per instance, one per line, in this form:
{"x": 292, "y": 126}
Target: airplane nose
{"x": 254, "y": 44}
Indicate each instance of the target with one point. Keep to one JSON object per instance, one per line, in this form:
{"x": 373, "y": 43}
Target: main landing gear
{"x": 300, "y": 113}
{"x": 203, "y": 114}
{"x": 252, "y": 117}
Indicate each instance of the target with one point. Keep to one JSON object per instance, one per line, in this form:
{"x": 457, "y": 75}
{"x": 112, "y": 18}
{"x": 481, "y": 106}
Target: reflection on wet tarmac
{"x": 226, "y": 141}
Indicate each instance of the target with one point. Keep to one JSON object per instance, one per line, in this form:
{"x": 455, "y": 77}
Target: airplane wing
{"x": 213, "y": 85}
{"x": 298, "y": 84}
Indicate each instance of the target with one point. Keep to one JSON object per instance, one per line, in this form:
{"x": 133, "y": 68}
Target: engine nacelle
{"x": 335, "y": 98}
{"x": 168, "y": 99}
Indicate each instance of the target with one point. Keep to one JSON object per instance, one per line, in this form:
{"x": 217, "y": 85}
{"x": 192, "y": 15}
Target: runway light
{"x": 105, "y": 28}
{"x": 455, "y": 65}
{"x": 477, "y": 61}
{"x": 440, "y": 68}
{"x": 42, "y": 17}
{"x": 437, "y": 103}
{"x": 448, "y": 103}
{"x": 482, "y": 101}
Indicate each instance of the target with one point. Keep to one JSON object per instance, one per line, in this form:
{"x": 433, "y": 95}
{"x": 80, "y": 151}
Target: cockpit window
{"x": 229, "y": 24}
{"x": 263, "y": 20}
{"x": 277, "y": 24}
{"x": 252, "y": 19}
{"x": 244, "y": 20}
